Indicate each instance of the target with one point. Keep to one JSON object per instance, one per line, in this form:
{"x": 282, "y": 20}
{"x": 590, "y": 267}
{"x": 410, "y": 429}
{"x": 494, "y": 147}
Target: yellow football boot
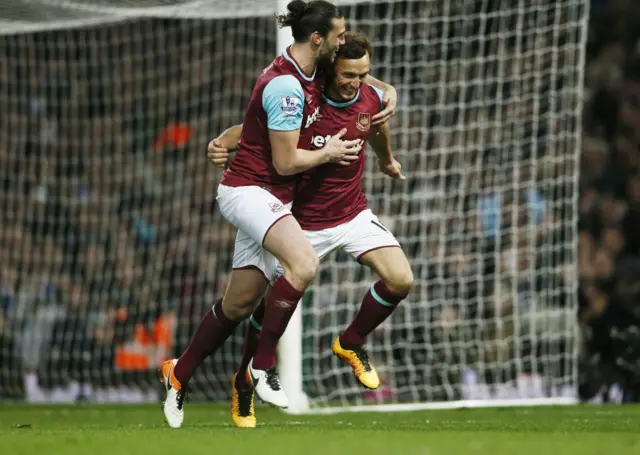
{"x": 242, "y": 410}
{"x": 359, "y": 361}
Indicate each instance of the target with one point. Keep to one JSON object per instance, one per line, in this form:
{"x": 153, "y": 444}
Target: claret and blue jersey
{"x": 332, "y": 194}
{"x": 284, "y": 98}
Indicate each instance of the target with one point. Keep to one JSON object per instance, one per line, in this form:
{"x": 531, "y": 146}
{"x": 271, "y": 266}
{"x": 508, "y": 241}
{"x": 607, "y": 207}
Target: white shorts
{"x": 253, "y": 211}
{"x": 357, "y": 237}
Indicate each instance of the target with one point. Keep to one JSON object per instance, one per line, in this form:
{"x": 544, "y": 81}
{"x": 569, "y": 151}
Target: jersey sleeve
{"x": 380, "y": 94}
{"x": 283, "y": 101}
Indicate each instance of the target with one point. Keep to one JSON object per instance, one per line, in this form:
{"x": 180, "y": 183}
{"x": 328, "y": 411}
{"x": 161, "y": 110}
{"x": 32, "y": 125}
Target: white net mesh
{"x": 112, "y": 248}
{"x": 489, "y": 127}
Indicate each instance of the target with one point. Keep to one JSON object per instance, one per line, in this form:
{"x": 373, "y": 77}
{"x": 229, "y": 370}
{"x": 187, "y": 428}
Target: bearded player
{"x": 255, "y": 195}
{"x": 332, "y": 209}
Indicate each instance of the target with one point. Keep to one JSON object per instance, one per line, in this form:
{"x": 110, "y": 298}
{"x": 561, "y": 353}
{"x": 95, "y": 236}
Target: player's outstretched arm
{"x": 389, "y": 100}
{"x": 290, "y": 160}
{"x": 380, "y": 141}
{"x": 219, "y": 148}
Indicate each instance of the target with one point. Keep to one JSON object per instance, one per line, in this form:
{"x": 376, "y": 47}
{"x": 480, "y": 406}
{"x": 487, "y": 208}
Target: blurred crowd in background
{"x": 110, "y": 232}
{"x": 111, "y": 246}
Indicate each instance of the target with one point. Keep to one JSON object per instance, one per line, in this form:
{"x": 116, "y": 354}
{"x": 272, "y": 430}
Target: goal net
{"x": 112, "y": 248}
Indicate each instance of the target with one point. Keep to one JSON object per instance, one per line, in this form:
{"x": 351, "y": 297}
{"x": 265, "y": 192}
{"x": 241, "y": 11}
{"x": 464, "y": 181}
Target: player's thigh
{"x": 251, "y": 209}
{"x": 323, "y": 243}
{"x": 288, "y": 243}
{"x": 249, "y": 254}
{"x": 252, "y": 270}
{"x": 372, "y": 244}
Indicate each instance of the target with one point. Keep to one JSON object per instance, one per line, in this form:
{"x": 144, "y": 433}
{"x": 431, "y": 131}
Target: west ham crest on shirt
{"x": 364, "y": 121}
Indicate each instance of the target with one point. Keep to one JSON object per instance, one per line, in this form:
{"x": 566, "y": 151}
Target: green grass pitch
{"x": 114, "y": 430}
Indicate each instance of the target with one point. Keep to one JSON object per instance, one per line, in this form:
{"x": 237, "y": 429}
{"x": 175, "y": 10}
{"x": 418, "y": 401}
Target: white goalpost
{"x": 112, "y": 247}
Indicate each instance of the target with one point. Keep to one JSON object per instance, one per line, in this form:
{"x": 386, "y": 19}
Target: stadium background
{"x": 108, "y": 258}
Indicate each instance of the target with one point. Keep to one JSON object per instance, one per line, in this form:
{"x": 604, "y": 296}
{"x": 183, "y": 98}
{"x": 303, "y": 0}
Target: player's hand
{"x": 353, "y": 149}
{"x": 389, "y": 101}
{"x": 217, "y": 154}
{"x": 392, "y": 168}
{"x": 341, "y": 151}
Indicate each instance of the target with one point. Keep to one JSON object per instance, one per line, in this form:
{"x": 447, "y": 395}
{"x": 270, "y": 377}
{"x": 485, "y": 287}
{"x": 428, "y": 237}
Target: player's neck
{"x": 304, "y": 56}
{"x": 332, "y": 93}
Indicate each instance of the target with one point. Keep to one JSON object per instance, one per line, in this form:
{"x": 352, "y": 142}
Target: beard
{"x": 325, "y": 61}
{"x": 326, "y": 74}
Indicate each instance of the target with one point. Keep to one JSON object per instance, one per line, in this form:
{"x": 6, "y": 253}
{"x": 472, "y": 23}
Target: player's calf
{"x": 280, "y": 303}
{"x": 288, "y": 243}
{"x": 383, "y": 297}
{"x": 377, "y": 305}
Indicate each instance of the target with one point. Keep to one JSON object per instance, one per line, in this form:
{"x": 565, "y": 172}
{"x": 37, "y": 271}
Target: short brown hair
{"x": 356, "y": 45}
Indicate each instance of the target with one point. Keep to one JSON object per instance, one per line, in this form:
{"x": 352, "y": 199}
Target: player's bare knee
{"x": 239, "y": 313}
{"x": 238, "y": 309}
{"x": 303, "y": 271}
{"x": 399, "y": 282}
{"x": 307, "y": 270}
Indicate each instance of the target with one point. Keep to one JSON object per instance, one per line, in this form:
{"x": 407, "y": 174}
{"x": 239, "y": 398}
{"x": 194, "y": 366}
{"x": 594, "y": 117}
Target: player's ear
{"x": 316, "y": 39}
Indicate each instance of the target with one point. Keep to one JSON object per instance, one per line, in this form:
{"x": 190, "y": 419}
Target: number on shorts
{"x": 377, "y": 223}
